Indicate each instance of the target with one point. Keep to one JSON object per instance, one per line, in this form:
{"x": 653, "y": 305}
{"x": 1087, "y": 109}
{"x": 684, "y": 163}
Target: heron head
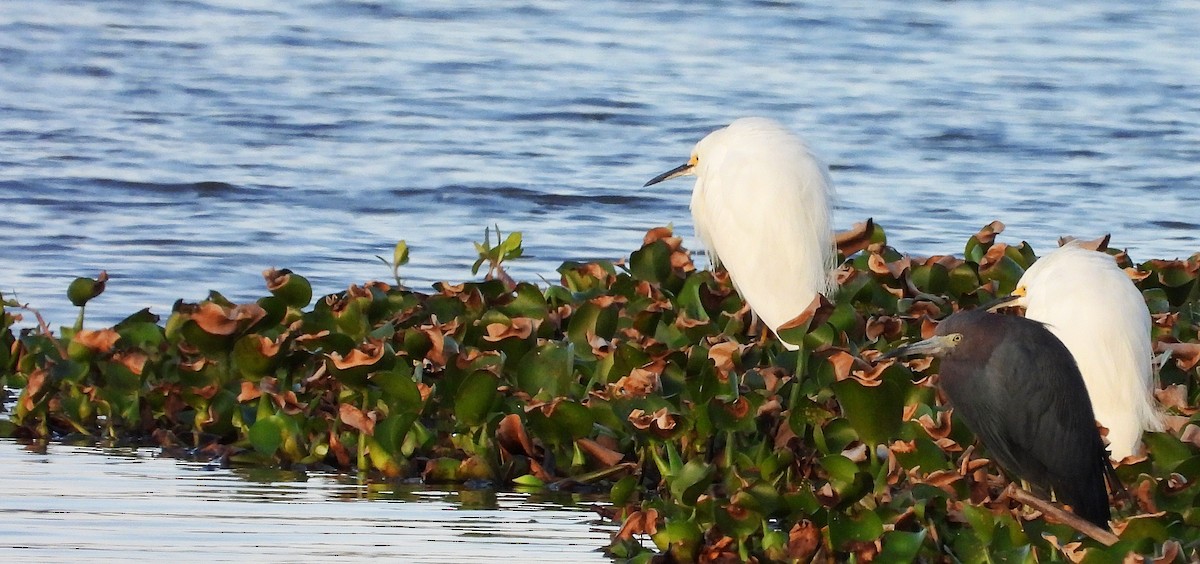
{"x": 937, "y": 345}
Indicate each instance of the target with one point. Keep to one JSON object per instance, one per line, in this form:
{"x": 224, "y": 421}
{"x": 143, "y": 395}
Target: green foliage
{"x": 637, "y": 378}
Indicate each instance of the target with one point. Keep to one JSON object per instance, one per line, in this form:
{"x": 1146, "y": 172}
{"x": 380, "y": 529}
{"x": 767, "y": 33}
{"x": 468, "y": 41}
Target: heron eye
{"x": 956, "y": 337}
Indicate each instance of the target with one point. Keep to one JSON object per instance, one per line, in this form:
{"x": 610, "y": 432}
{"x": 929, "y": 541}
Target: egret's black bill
{"x": 999, "y": 302}
{"x": 677, "y": 171}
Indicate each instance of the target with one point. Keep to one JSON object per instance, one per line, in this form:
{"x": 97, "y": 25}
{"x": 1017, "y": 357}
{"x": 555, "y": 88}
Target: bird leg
{"x": 1107, "y": 538}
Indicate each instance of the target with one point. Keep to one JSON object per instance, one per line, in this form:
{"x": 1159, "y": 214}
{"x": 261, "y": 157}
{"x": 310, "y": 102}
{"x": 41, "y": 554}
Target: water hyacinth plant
{"x": 639, "y": 378}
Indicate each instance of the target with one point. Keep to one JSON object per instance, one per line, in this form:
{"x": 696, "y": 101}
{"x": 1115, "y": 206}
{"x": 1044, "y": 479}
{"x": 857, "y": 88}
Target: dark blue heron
{"x": 1018, "y": 389}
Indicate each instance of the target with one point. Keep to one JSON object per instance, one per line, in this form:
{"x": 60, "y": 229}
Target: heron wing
{"x": 1047, "y": 433}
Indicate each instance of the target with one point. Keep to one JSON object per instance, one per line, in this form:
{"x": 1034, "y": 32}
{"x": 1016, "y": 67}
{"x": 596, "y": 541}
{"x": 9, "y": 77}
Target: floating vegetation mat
{"x": 642, "y": 378}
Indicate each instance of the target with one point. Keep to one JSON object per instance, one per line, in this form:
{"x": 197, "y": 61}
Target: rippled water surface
{"x": 187, "y": 145}
{"x": 81, "y": 504}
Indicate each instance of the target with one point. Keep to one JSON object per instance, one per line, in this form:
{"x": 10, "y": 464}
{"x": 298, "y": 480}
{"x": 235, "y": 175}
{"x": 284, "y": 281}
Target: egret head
{"x": 685, "y": 169}
{"x": 761, "y": 143}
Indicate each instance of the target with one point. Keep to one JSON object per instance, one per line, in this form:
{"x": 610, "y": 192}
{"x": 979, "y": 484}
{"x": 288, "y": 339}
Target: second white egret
{"x": 761, "y": 206}
{"x": 1092, "y": 306}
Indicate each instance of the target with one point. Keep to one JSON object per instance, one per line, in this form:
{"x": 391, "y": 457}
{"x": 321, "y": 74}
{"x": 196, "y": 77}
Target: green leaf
{"x": 875, "y": 412}
{"x": 901, "y": 546}
{"x": 651, "y": 263}
{"x": 266, "y": 435}
{"x": 546, "y": 370}
{"x": 690, "y": 481}
{"x": 400, "y": 254}
{"x": 475, "y": 398}
{"x": 844, "y": 528}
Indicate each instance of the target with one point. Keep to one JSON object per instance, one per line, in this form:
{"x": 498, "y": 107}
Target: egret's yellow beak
{"x": 681, "y": 170}
{"x": 1006, "y": 301}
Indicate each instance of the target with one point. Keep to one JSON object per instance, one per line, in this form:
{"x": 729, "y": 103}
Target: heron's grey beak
{"x": 681, "y": 170}
{"x": 936, "y": 346}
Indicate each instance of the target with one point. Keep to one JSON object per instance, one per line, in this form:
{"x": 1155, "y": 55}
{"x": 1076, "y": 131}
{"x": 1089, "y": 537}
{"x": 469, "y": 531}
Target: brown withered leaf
{"x": 939, "y": 429}
{"x": 784, "y": 436}
{"x": 774, "y": 377}
{"x": 684, "y": 321}
{"x": 943, "y": 479}
{"x": 660, "y": 422}
{"x": 511, "y": 435}
{"x": 884, "y": 325}
{"x": 133, "y": 360}
{"x": 268, "y": 347}
{"x": 605, "y": 456}
{"x": 1072, "y": 550}
{"x": 844, "y": 274}
{"x": 770, "y": 407}
{"x": 639, "y": 383}
{"x": 722, "y": 356}
{"x": 739, "y": 408}
{"x": 1191, "y": 434}
{"x": 437, "y": 337}
{"x": 520, "y": 327}
{"x": 857, "y": 453}
{"x": 355, "y": 417}
{"x": 856, "y": 238}
{"x": 1171, "y": 551}
{"x": 100, "y": 341}
{"x": 425, "y": 390}
{"x": 988, "y": 234}
{"x": 720, "y": 551}
{"x": 250, "y": 391}
{"x": 658, "y": 234}
{"x": 639, "y": 523}
{"x": 215, "y": 319}
{"x": 33, "y": 385}
{"x": 1175, "y": 397}
{"x": 867, "y": 373}
{"x": 992, "y": 256}
{"x": 903, "y": 447}
{"x": 546, "y": 407}
{"x": 339, "y": 450}
{"x": 276, "y": 278}
{"x": 804, "y": 540}
{"x": 1099, "y": 244}
{"x": 949, "y": 262}
{"x": 1185, "y": 355}
{"x": 366, "y": 354}
{"x": 841, "y": 361}
{"x": 817, "y": 313}
{"x": 928, "y": 326}
{"x": 878, "y": 264}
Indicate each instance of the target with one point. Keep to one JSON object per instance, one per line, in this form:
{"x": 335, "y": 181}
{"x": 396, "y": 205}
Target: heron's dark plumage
{"x": 1018, "y": 389}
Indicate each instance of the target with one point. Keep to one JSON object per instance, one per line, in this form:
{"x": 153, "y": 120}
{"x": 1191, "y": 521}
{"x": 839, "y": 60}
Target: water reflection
{"x": 72, "y": 502}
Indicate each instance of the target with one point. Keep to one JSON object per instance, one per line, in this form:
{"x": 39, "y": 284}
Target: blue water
{"x": 90, "y": 504}
{"x": 187, "y": 145}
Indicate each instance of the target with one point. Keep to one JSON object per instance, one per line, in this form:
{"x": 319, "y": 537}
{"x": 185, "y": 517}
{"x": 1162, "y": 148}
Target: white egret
{"x": 1092, "y": 306}
{"x": 761, "y": 208}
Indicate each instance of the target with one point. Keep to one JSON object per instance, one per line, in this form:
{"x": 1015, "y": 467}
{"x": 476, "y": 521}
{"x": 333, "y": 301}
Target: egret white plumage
{"x": 761, "y": 208}
{"x": 1092, "y": 306}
